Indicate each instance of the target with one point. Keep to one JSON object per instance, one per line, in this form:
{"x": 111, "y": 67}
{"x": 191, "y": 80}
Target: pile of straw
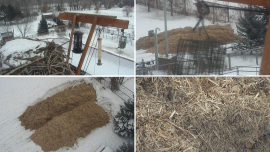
{"x": 224, "y": 34}
{"x": 203, "y": 114}
{"x": 61, "y": 119}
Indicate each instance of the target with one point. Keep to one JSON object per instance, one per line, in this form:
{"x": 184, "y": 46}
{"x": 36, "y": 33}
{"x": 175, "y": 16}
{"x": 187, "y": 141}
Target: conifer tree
{"x": 129, "y": 147}
{"x": 252, "y": 28}
{"x": 43, "y": 26}
{"x": 124, "y": 120}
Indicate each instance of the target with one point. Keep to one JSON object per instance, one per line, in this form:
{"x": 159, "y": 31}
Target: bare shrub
{"x": 127, "y": 10}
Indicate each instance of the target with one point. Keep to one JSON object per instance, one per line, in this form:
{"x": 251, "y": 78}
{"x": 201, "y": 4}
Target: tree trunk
{"x": 228, "y": 15}
{"x": 157, "y": 4}
{"x": 171, "y": 3}
{"x": 148, "y": 5}
{"x": 213, "y": 15}
{"x": 185, "y": 7}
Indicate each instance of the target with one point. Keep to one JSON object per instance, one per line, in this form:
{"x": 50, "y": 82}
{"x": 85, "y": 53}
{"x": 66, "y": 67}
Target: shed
{"x": 7, "y": 36}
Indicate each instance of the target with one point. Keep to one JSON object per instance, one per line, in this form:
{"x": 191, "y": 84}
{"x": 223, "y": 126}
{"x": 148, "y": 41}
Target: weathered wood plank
{"x": 71, "y": 37}
{"x": 102, "y": 21}
{"x": 265, "y": 65}
{"x": 78, "y": 71}
{"x": 91, "y": 15}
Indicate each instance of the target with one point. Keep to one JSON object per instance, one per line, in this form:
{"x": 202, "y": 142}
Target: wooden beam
{"x": 71, "y": 37}
{"x": 92, "y": 15}
{"x": 265, "y": 3}
{"x": 265, "y": 65}
{"x": 87, "y": 44}
{"x": 102, "y": 21}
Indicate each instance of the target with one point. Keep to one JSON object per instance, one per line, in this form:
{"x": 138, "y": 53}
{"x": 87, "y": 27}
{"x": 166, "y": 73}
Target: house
{"x": 48, "y": 16}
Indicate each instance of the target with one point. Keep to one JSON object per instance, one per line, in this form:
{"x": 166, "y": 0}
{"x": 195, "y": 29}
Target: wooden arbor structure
{"x": 265, "y": 65}
{"x": 102, "y": 20}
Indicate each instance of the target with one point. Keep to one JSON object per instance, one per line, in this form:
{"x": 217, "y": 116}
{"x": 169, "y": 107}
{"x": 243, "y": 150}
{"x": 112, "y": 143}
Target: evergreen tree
{"x": 252, "y": 28}
{"x": 70, "y": 23}
{"x": 3, "y": 9}
{"x": 11, "y": 13}
{"x": 43, "y": 26}
{"x": 58, "y": 21}
{"x": 124, "y": 120}
{"x": 129, "y": 147}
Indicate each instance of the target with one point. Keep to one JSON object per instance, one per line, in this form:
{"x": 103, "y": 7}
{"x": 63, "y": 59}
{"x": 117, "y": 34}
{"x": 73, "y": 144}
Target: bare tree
{"x": 97, "y": 8}
{"x": 127, "y": 10}
{"x": 6, "y": 29}
{"x": 25, "y": 27}
{"x": 171, "y": 5}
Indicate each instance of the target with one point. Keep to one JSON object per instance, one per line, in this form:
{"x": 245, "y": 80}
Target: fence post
{"x": 256, "y": 58}
{"x": 143, "y": 67}
{"x": 169, "y": 70}
{"x": 237, "y": 70}
{"x": 229, "y": 57}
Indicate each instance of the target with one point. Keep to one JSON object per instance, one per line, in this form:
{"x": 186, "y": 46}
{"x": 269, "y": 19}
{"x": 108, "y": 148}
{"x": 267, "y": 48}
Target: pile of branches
{"x": 53, "y": 62}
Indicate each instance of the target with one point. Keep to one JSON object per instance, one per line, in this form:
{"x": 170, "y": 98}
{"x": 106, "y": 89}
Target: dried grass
{"x": 42, "y": 112}
{"x": 61, "y": 119}
{"x": 203, "y": 114}
{"x": 224, "y": 34}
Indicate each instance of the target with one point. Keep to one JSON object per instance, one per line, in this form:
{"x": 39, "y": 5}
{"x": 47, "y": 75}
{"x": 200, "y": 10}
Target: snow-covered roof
{"x": 46, "y": 14}
{"x": 6, "y": 34}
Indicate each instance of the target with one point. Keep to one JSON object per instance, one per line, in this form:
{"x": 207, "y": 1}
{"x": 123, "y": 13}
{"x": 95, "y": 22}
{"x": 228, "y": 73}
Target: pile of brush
{"x": 52, "y": 62}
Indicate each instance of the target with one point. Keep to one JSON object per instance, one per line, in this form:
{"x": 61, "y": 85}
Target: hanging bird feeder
{"x": 99, "y": 51}
{"x": 77, "y": 45}
{"x": 122, "y": 41}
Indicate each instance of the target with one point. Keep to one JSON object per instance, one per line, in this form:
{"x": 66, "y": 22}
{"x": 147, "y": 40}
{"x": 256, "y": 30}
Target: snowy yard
{"x": 115, "y": 62}
{"x": 155, "y": 19}
{"x": 19, "y": 93}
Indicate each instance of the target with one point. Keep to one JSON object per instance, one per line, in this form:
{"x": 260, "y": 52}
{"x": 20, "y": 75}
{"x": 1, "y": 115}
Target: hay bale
{"x": 42, "y": 112}
{"x": 223, "y": 34}
{"x": 203, "y": 114}
{"x": 65, "y": 129}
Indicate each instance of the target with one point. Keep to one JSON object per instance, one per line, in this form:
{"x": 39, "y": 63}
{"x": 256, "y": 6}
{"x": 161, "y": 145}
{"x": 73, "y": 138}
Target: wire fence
{"x": 242, "y": 69}
{"x": 124, "y": 93}
{"x": 149, "y": 68}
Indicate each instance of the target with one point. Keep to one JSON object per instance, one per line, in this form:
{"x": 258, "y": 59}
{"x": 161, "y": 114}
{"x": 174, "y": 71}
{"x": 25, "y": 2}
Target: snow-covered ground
{"x": 18, "y": 48}
{"x": 155, "y": 19}
{"x": 19, "y": 93}
{"x": 120, "y": 62}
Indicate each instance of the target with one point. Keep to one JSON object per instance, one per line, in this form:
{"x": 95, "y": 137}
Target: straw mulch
{"x": 224, "y": 34}
{"x": 203, "y": 114}
{"x": 63, "y": 131}
{"x": 62, "y": 118}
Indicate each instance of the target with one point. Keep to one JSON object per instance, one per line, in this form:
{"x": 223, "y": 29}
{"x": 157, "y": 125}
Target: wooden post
{"x": 71, "y": 37}
{"x": 265, "y": 65}
{"x": 87, "y": 45}
{"x": 213, "y": 15}
{"x": 228, "y": 15}
{"x": 169, "y": 69}
{"x": 229, "y": 57}
{"x": 257, "y": 62}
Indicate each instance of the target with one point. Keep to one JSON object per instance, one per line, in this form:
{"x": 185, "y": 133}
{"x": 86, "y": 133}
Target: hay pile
{"x": 223, "y": 34}
{"x": 64, "y": 130}
{"x": 203, "y": 114}
{"x": 62, "y": 118}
